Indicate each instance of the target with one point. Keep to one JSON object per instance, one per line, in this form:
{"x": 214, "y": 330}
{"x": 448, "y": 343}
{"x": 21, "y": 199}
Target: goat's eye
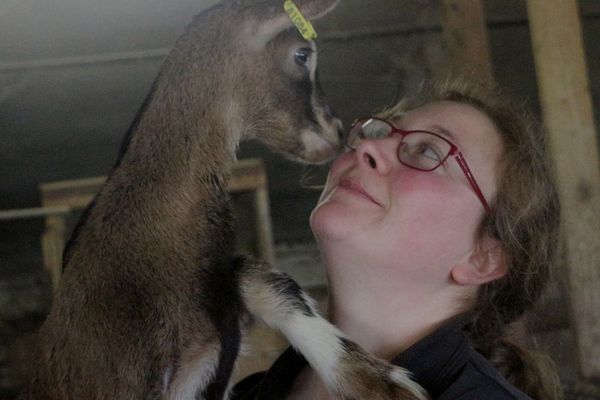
{"x": 301, "y": 56}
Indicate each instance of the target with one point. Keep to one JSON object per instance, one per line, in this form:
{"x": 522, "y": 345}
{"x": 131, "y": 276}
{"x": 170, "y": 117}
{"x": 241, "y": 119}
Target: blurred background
{"x": 73, "y": 74}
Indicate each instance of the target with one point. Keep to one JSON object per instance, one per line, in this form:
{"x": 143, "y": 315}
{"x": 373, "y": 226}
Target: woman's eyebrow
{"x": 445, "y": 132}
{"x": 437, "y": 128}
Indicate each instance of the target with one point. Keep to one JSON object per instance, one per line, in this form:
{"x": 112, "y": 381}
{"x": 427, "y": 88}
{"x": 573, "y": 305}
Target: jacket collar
{"x": 434, "y": 362}
{"x": 437, "y": 359}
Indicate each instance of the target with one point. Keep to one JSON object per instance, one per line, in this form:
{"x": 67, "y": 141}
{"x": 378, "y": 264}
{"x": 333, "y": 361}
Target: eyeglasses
{"x": 420, "y": 150}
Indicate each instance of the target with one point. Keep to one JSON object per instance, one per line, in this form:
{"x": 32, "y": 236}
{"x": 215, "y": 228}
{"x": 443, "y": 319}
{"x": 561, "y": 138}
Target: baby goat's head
{"x": 278, "y": 91}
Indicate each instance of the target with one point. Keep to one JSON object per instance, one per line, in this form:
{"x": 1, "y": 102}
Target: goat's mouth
{"x": 317, "y": 148}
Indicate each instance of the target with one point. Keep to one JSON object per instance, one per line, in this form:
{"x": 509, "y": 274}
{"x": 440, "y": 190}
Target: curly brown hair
{"x": 526, "y": 220}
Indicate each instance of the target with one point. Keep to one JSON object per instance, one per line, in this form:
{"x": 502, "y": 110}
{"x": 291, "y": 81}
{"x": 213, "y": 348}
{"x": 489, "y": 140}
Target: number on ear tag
{"x": 302, "y": 24}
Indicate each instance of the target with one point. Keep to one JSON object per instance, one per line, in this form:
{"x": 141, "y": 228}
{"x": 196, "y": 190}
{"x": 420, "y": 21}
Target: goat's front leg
{"x": 348, "y": 371}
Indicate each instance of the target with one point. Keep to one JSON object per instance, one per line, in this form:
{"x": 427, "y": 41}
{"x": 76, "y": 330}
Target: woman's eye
{"x": 430, "y": 152}
{"x": 301, "y": 56}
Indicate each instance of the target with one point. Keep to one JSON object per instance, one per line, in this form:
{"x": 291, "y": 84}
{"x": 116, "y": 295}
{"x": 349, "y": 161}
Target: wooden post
{"x": 53, "y": 243}
{"x": 567, "y": 112}
{"x": 466, "y": 39}
{"x": 264, "y": 233}
{"x": 53, "y": 238}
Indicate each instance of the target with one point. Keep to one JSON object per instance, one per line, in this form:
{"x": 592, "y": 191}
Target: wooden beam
{"x": 22, "y": 213}
{"x": 247, "y": 174}
{"x": 466, "y": 39}
{"x": 567, "y": 112}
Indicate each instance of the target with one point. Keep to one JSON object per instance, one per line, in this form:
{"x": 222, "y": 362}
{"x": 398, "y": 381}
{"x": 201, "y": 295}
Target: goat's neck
{"x": 191, "y": 125}
{"x": 177, "y": 164}
{"x": 178, "y": 161}
{"x": 184, "y": 133}
{"x": 187, "y": 130}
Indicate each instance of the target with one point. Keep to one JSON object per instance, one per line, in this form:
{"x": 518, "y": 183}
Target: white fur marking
{"x": 233, "y": 114}
{"x": 314, "y": 337}
{"x": 166, "y": 380}
{"x": 313, "y": 61}
{"x": 402, "y": 377}
{"x": 190, "y": 378}
{"x": 314, "y": 143}
{"x": 318, "y": 341}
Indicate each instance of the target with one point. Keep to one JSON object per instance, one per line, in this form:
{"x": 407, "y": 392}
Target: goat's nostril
{"x": 370, "y": 160}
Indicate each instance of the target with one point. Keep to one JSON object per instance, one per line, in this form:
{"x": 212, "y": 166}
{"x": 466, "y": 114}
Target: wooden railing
{"x": 61, "y": 198}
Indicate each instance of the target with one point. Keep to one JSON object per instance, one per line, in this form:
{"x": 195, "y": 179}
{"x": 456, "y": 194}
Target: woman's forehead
{"x": 461, "y": 123}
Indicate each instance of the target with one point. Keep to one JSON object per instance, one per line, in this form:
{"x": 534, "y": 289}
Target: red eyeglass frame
{"x": 454, "y": 151}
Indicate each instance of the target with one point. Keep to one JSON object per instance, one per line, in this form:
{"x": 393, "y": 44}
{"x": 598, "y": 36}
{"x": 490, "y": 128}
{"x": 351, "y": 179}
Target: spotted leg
{"x": 346, "y": 369}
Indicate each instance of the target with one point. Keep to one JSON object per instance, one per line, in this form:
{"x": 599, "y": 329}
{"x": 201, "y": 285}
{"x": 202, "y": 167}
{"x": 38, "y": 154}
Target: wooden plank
{"x": 466, "y": 39}
{"x": 21, "y": 213}
{"x": 264, "y": 233}
{"x": 247, "y": 175}
{"x": 53, "y": 243}
{"x": 76, "y": 193}
{"x": 567, "y": 112}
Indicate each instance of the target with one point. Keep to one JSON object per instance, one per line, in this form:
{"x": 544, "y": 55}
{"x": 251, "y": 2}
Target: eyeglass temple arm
{"x": 463, "y": 165}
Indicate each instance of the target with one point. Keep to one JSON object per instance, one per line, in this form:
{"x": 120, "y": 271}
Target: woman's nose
{"x": 375, "y": 154}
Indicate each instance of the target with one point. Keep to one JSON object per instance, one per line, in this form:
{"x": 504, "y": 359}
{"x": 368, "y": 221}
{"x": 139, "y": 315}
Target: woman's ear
{"x": 487, "y": 262}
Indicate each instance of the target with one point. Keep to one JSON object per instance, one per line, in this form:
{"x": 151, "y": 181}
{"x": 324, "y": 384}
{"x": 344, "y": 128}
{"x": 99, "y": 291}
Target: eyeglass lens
{"x": 420, "y": 150}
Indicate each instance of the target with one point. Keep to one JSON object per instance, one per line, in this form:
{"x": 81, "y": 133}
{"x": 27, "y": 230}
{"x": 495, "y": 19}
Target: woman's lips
{"x": 356, "y": 188}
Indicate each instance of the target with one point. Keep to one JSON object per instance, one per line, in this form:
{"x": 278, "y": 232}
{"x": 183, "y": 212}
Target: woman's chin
{"x": 331, "y": 221}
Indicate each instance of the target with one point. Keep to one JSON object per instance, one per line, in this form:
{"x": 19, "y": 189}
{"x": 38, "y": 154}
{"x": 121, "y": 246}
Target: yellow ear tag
{"x": 302, "y": 24}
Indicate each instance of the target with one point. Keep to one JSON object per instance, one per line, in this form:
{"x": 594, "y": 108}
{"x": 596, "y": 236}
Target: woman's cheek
{"x": 435, "y": 206}
{"x": 426, "y": 200}
{"x": 420, "y": 184}
{"x": 342, "y": 164}
{"x": 433, "y": 188}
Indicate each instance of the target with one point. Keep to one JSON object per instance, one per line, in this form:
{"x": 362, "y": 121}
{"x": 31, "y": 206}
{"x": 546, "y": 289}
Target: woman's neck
{"x": 387, "y": 325}
{"x": 375, "y": 338}
{"x": 372, "y": 337}
{"x": 384, "y": 316}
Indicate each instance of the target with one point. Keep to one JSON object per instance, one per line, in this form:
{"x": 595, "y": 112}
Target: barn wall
{"x": 67, "y": 122}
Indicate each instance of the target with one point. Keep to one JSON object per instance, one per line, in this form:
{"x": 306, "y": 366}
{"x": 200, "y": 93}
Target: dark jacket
{"x": 444, "y": 363}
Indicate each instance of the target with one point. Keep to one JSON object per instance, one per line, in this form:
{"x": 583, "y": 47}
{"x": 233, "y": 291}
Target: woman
{"x": 438, "y": 228}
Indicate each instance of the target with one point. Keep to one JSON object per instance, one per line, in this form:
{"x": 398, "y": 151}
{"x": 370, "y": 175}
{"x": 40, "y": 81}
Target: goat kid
{"x": 152, "y": 298}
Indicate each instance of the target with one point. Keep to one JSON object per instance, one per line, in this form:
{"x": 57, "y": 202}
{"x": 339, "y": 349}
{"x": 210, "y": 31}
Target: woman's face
{"x": 404, "y": 221}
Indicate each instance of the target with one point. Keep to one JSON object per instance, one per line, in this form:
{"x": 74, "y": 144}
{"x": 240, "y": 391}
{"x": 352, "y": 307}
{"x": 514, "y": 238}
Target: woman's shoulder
{"x": 445, "y": 364}
{"x": 477, "y": 380}
{"x": 480, "y": 380}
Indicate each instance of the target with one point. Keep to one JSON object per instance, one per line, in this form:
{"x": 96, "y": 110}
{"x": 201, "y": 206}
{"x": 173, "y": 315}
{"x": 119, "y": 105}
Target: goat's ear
{"x": 315, "y": 9}
{"x": 266, "y": 30}
{"x": 274, "y": 20}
